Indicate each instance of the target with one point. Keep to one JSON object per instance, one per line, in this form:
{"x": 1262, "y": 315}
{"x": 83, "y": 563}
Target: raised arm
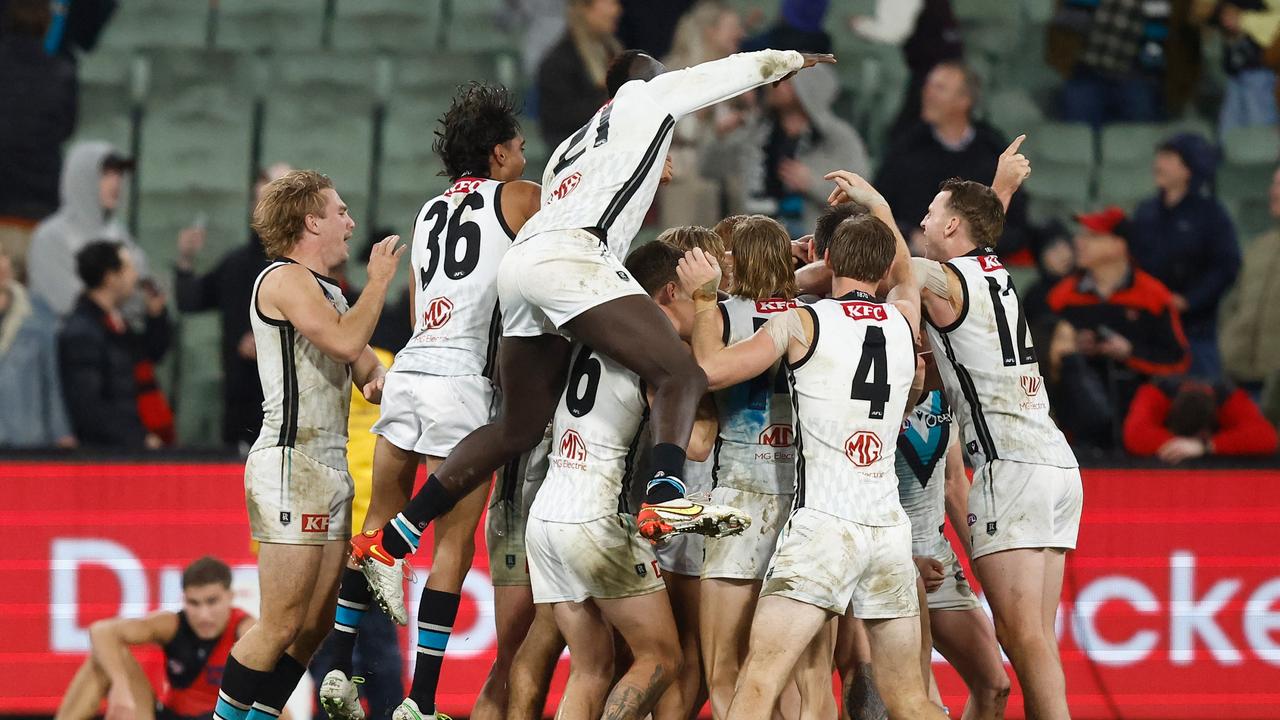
{"x": 683, "y": 92}
{"x": 1012, "y": 169}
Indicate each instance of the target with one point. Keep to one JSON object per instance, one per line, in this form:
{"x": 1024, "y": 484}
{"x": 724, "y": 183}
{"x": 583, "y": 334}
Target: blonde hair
{"x": 725, "y": 227}
{"x": 762, "y": 265}
{"x": 688, "y": 237}
{"x": 280, "y": 216}
{"x": 689, "y": 44}
{"x": 596, "y": 52}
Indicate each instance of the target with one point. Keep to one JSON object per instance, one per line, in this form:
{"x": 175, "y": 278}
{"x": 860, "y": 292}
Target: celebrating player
{"x": 847, "y": 543}
{"x": 310, "y": 346}
{"x": 440, "y": 388}
{"x": 563, "y": 275}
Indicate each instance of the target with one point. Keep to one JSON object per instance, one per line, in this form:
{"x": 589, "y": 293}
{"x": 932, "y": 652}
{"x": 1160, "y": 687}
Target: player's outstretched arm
{"x": 683, "y": 92}
{"x": 109, "y": 641}
{"x": 956, "y": 490}
{"x": 1012, "y": 169}
{"x": 344, "y": 337}
{"x": 725, "y": 366}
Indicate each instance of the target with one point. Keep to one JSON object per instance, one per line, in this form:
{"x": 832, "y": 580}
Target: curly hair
{"x": 281, "y": 214}
{"x": 480, "y": 116}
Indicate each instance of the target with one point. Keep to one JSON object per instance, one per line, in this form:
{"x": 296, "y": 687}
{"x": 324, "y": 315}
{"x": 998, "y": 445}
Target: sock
{"x": 353, "y": 601}
{"x": 239, "y": 687}
{"x": 668, "y": 466}
{"x": 436, "y": 613}
{"x": 275, "y": 690}
{"x": 401, "y": 536}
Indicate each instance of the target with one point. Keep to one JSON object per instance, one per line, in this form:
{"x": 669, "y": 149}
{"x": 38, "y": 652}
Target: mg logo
{"x": 315, "y": 523}
{"x": 865, "y": 311}
{"x": 566, "y": 186}
{"x": 778, "y": 435}
{"x": 572, "y": 446}
{"x": 438, "y": 312}
{"x": 863, "y": 448}
{"x": 989, "y": 263}
{"x": 1031, "y": 385}
{"x": 775, "y": 305}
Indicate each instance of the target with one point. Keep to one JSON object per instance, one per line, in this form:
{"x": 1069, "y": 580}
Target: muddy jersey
{"x": 990, "y": 373}
{"x": 755, "y": 447}
{"x": 921, "y": 466}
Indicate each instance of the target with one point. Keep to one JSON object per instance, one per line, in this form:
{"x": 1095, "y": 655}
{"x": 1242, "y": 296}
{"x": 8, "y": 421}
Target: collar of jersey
{"x": 857, "y": 295}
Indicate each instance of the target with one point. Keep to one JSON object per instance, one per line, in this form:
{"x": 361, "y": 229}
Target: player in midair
{"x": 1026, "y": 498}
{"x": 441, "y": 387}
{"x": 564, "y": 276}
{"x": 847, "y": 544}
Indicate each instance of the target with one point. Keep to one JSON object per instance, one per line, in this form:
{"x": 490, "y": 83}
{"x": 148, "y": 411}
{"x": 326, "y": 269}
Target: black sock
{"x": 400, "y": 535}
{"x": 436, "y": 613}
{"x": 275, "y": 690}
{"x": 239, "y": 688}
{"x": 668, "y": 467}
{"x": 353, "y": 601}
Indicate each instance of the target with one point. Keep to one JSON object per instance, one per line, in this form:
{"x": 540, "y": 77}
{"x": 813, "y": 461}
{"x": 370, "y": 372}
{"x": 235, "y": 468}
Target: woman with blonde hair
{"x": 571, "y": 78}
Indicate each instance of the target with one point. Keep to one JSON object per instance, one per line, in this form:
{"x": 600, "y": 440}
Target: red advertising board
{"x": 1171, "y": 606}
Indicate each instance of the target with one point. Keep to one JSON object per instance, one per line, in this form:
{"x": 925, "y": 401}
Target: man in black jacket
{"x": 99, "y": 352}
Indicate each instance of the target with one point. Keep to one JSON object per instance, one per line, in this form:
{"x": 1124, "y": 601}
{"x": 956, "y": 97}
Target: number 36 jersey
{"x": 850, "y": 392}
{"x": 990, "y": 373}
{"x": 458, "y": 242}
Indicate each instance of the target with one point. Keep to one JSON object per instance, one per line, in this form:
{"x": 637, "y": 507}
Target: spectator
{"x": 77, "y": 26}
{"x": 1123, "y": 60}
{"x": 1179, "y": 419}
{"x": 33, "y": 414}
{"x": 37, "y": 115}
{"x": 650, "y": 25}
{"x": 571, "y": 79}
{"x": 1077, "y": 392}
{"x": 928, "y": 34}
{"x": 947, "y": 143}
{"x": 1250, "y": 337}
{"x": 1057, "y": 259}
{"x": 1247, "y": 29}
{"x": 111, "y": 398}
{"x": 799, "y": 27}
{"x": 1184, "y": 237}
{"x": 228, "y": 289}
{"x": 795, "y": 141}
{"x": 540, "y": 24}
{"x": 1125, "y": 320}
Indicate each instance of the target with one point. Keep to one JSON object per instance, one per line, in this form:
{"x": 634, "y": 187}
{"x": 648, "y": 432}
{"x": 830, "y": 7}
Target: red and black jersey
{"x": 193, "y": 667}
{"x": 1241, "y": 428}
{"x": 1141, "y": 311}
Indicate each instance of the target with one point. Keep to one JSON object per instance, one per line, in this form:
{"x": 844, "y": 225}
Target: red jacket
{"x": 1242, "y": 430}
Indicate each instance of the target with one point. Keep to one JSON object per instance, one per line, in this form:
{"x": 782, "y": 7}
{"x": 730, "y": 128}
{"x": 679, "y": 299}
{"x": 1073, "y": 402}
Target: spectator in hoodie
{"x": 37, "y": 115}
{"x": 33, "y": 414}
{"x": 1177, "y": 419}
{"x": 103, "y": 361}
{"x": 1125, "y": 320}
{"x": 228, "y": 288}
{"x": 1185, "y": 239}
{"x": 795, "y": 140}
{"x": 946, "y": 143}
{"x": 1248, "y": 27}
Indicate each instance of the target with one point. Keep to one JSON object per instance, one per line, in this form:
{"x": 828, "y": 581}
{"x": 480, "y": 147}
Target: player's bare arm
{"x": 957, "y": 497}
{"x": 1012, "y": 169}
{"x": 520, "y": 200}
{"x": 292, "y": 294}
{"x": 245, "y": 625}
{"x": 110, "y": 641}
{"x": 369, "y": 374}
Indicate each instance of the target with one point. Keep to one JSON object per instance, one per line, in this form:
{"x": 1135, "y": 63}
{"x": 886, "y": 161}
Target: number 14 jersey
{"x": 459, "y": 239}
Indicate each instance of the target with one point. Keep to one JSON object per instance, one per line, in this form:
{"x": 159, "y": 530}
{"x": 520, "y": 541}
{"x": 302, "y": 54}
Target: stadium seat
{"x": 103, "y": 114}
{"x": 1252, "y": 217}
{"x": 162, "y": 213}
{"x": 394, "y": 25}
{"x": 1013, "y": 111}
{"x": 462, "y": 17}
{"x": 1130, "y": 144}
{"x": 437, "y": 74}
{"x": 157, "y": 23}
{"x": 321, "y": 131}
{"x": 199, "y": 140}
{"x": 1251, "y": 155}
{"x": 409, "y": 167}
{"x": 1064, "y": 143}
{"x": 1124, "y": 185}
{"x": 256, "y": 25}
{"x": 175, "y": 71}
{"x": 347, "y": 78}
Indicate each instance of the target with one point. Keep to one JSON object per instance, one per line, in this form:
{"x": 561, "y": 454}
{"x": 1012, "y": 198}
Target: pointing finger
{"x": 1013, "y": 146}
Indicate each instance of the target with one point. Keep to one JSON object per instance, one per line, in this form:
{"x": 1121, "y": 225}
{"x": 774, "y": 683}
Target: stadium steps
{"x": 254, "y": 25}
{"x": 157, "y": 23}
{"x": 387, "y": 25}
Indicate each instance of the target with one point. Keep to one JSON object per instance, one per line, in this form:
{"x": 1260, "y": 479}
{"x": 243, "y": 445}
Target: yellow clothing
{"x": 360, "y": 444}
{"x": 1261, "y": 25}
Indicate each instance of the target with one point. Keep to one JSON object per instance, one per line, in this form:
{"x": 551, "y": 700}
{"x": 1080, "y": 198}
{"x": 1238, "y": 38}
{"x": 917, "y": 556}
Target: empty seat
{"x": 387, "y": 25}
{"x": 157, "y": 23}
{"x": 346, "y": 78}
{"x": 1124, "y": 185}
{"x": 199, "y": 140}
{"x": 280, "y": 24}
{"x": 1059, "y": 142}
{"x": 1014, "y": 111}
{"x": 322, "y": 131}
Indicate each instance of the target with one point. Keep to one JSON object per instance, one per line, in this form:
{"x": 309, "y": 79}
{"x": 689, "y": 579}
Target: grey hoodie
{"x": 51, "y": 261}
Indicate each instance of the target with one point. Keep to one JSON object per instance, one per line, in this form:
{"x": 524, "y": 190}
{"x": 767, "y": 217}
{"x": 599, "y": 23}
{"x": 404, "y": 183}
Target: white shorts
{"x": 431, "y": 414}
{"x": 842, "y": 566}
{"x": 955, "y": 592}
{"x": 1020, "y": 505}
{"x": 603, "y": 558}
{"x": 682, "y": 554}
{"x": 294, "y": 500}
{"x": 551, "y": 278}
{"x": 746, "y": 556}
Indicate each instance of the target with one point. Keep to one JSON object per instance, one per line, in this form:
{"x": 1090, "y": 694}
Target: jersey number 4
{"x": 456, "y": 231}
{"x": 874, "y": 364}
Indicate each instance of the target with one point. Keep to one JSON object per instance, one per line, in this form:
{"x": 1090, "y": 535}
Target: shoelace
{"x": 409, "y": 574}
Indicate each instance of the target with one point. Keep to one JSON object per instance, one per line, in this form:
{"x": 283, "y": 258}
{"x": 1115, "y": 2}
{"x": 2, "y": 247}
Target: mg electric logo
{"x": 1031, "y": 385}
{"x": 989, "y": 263}
{"x": 566, "y": 186}
{"x": 778, "y": 435}
{"x": 572, "y": 446}
{"x": 863, "y": 448}
{"x": 775, "y": 305}
{"x": 865, "y": 310}
{"x": 438, "y": 312}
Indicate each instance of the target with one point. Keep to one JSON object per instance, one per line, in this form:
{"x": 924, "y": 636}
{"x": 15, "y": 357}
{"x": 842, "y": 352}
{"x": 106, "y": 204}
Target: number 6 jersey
{"x": 458, "y": 241}
{"x": 989, "y": 370}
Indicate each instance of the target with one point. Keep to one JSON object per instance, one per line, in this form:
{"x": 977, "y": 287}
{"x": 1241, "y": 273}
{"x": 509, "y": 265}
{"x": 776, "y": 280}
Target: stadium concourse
{"x": 1137, "y": 267}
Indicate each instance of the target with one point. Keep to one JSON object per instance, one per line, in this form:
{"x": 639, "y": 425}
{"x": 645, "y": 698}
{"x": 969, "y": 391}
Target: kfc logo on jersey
{"x": 778, "y": 435}
{"x": 774, "y": 306}
{"x": 865, "y": 311}
{"x": 566, "y": 186}
{"x": 572, "y": 446}
{"x": 465, "y": 186}
{"x": 989, "y": 263}
{"x": 1031, "y": 385}
{"x": 315, "y": 523}
{"x": 863, "y": 448}
{"x": 438, "y": 312}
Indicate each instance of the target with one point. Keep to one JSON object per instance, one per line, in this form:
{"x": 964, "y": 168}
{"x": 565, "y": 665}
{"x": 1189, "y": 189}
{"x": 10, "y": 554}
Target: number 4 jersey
{"x": 989, "y": 370}
{"x": 458, "y": 242}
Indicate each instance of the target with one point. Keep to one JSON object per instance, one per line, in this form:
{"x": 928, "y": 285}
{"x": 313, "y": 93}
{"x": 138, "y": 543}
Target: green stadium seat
{"x": 172, "y": 72}
{"x": 348, "y": 78}
{"x": 437, "y": 74}
{"x": 1252, "y": 146}
{"x": 199, "y": 140}
{"x": 1252, "y": 217}
{"x": 1063, "y": 143}
{"x": 461, "y": 18}
{"x": 1131, "y": 144}
{"x": 157, "y": 23}
{"x": 1058, "y": 190}
{"x": 394, "y": 25}
{"x": 1124, "y": 185}
{"x": 103, "y": 114}
{"x": 1013, "y": 111}
{"x": 163, "y": 213}
{"x": 983, "y": 11}
{"x": 322, "y": 131}
{"x": 280, "y": 24}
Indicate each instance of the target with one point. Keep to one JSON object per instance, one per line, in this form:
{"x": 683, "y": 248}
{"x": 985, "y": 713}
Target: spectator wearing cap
{"x": 1177, "y": 419}
{"x": 1185, "y": 239}
{"x": 1125, "y": 319}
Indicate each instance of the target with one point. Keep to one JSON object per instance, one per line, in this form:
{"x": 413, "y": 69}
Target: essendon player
{"x": 564, "y": 276}
{"x": 846, "y": 546}
{"x": 440, "y": 388}
{"x": 196, "y": 641}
